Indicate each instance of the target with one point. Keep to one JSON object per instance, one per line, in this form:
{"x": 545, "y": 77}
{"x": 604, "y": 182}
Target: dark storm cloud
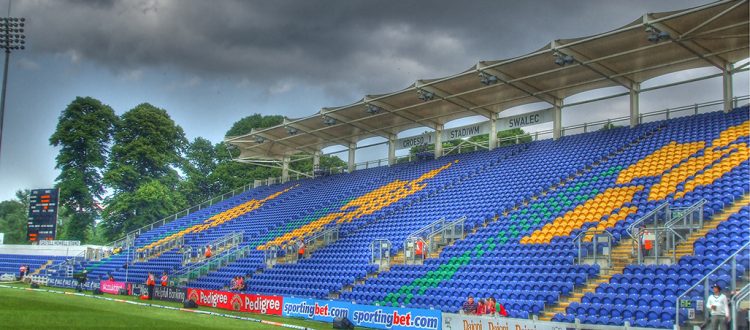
{"x": 346, "y": 47}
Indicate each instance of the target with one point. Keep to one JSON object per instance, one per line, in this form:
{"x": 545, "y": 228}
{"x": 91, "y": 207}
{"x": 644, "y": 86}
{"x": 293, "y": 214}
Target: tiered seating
{"x": 524, "y": 205}
{"x": 719, "y": 173}
{"x": 9, "y": 263}
{"x": 611, "y": 195}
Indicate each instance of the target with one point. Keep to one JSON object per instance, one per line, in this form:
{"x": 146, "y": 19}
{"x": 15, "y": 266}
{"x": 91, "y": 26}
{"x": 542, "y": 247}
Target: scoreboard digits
{"x": 42, "y": 224}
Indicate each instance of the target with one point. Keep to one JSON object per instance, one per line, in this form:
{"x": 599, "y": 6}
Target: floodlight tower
{"x": 12, "y": 37}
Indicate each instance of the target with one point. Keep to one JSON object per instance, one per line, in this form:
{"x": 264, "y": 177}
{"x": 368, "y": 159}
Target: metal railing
{"x": 741, "y": 296}
{"x": 431, "y": 237}
{"x": 219, "y": 245}
{"x": 599, "y": 238}
{"x": 670, "y": 226}
{"x": 731, "y": 260}
{"x": 66, "y": 266}
{"x": 132, "y": 235}
{"x": 148, "y": 253}
{"x": 195, "y": 271}
{"x": 687, "y": 217}
{"x": 654, "y": 216}
{"x": 667, "y": 113}
{"x": 322, "y": 238}
{"x": 380, "y": 253}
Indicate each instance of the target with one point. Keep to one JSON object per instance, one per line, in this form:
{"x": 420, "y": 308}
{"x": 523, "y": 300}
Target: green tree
{"x": 13, "y": 218}
{"x": 147, "y": 145}
{"x": 609, "y": 126}
{"x": 151, "y": 201}
{"x": 200, "y": 162}
{"x": 83, "y": 134}
{"x": 245, "y": 125}
{"x": 146, "y": 153}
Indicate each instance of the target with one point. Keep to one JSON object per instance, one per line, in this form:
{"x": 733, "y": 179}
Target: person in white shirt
{"x": 718, "y": 307}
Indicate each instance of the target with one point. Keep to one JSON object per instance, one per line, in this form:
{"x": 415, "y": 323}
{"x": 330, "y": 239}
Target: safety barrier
{"x": 705, "y": 283}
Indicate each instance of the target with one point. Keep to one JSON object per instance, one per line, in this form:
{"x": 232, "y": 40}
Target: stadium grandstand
{"x": 581, "y": 227}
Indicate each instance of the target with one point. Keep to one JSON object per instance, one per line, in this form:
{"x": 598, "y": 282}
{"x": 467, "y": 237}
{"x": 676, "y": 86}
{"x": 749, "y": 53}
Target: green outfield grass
{"x": 44, "y": 310}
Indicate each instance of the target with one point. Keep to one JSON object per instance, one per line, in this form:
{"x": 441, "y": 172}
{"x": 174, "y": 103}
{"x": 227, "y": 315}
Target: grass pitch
{"x": 44, "y": 310}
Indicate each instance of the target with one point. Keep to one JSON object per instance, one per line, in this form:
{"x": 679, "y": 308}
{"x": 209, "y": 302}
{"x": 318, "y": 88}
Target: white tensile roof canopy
{"x": 713, "y": 35}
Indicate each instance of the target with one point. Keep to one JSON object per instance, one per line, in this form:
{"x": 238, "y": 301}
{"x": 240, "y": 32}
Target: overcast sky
{"x": 210, "y": 63}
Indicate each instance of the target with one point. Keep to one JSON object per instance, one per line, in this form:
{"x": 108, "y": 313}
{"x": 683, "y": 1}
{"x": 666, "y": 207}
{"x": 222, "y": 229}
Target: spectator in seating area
{"x": 489, "y": 306}
{"x": 110, "y": 277}
{"x": 718, "y": 306}
{"x": 233, "y": 284}
{"x": 240, "y": 283}
{"x": 481, "y": 307}
{"x": 469, "y": 306}
{"x": 208, "y": 251}
{"x": 499, "y": 308}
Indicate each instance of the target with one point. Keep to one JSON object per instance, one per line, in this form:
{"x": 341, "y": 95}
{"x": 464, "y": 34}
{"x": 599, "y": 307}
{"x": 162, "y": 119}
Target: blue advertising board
{"x": 363, "y": 315}
{"x": 71, "y": 283}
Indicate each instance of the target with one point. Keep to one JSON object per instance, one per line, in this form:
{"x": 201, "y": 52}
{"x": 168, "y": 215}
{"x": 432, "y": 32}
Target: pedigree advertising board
{"x": 251, "y": 303}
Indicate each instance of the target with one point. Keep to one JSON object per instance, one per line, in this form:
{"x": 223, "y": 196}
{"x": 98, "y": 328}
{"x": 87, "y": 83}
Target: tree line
{"x": 119, "y": 173}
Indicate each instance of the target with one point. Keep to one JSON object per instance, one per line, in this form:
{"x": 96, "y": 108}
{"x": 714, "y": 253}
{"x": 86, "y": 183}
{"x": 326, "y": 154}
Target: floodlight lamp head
{"x": 329, "y": 121}
{"x": 487, "y": 79}
{"x": 425, "y": 95}
{"x": 259, "y": 139}
{"x": 372, "y": 109}
{"x": 291, "y": 130}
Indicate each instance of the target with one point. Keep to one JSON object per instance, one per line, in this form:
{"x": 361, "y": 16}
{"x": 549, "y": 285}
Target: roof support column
{"x": 438, "y": 141}
{"x": 557, "y": 120}
{"x": 352, "y": 148}
{"x": 635, "y": 91}
{"x": 728, "y": 87}
{"x": 316, "y": 160}
{"x": 392, "y": 149}
{"x": 493, "y": 132}
{"x": 285, "y": 169}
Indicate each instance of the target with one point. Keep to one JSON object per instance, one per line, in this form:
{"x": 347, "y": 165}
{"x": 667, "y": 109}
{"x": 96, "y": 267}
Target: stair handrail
{"x": 145, "y": 254}
{"x": 429, "y": 229}
{"x": 594, "y": 232}
{"x": 458, "y": 223}
{"x": 682, "y": 213}
{"x": 186, "y": 274}
{"x": 634, "y": 228}
{"x": 218, "y": 245}
{"x": 133, "y": 234}
{"x": 738, "y": 297}
{"x": 328, "y": 234}
{"x": 731, "y": 258}
{"x": 68, "y": 261}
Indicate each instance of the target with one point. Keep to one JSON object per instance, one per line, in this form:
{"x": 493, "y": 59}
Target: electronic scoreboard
{"x": 42, "y": 224}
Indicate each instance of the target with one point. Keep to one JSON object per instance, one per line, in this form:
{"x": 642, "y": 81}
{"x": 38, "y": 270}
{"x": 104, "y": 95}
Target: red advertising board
{"x": 111, "y": 287}
{"x": 251, "y": 303}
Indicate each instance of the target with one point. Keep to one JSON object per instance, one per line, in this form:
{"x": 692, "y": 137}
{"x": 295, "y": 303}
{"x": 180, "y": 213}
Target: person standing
{"x": 718, "y": 308}
{"x": 151, "y": 283}
{"x": 208, "y": 251}
{"x": 300, "y": 249}
{"x": 164, "y": 279}
{"x": 21, "y": 272}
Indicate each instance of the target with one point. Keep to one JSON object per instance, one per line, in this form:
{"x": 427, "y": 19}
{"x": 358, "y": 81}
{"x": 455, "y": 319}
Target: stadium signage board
{"x": 42, "y": 220}
{"x": 69, "y": 282}
{"x": 59, "y": 243}
{"x": 112, "y": 287}
{"x": 525, "y": 119}
{"x": 467, "y": 131}
{"x": 251, "y": 303}
{"x": 363, "y": 315}
{"x": 166, "y": 293}
{"x": 474, "y": 322}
